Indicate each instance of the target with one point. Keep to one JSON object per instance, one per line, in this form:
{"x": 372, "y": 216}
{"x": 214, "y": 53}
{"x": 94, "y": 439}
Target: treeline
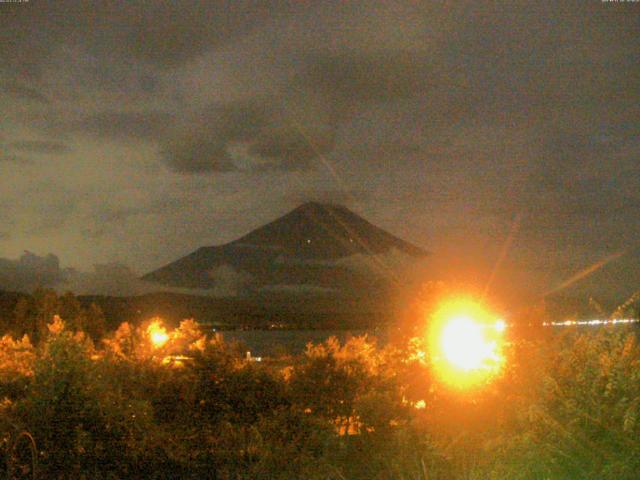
{"x": 28, "y": 314}
{"x": 151, "y": 402}
{"x": 259, "y": 312}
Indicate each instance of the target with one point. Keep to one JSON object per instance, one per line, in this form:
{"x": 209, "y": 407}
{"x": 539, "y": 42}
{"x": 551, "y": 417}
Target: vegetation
{"x": 146, "y": 402}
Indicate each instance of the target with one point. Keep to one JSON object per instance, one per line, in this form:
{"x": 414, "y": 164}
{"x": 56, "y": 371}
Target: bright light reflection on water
{"x": 594, "y": 322}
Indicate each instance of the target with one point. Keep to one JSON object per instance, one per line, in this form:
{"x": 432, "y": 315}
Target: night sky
{"x": 132, "y": 133}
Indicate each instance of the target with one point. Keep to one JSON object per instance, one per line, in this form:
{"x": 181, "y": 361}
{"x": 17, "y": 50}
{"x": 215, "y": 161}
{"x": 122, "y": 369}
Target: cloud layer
{"x": 138, "y": 132}
{"x": 31, "y": 272}
{"x": 258, "y": 135}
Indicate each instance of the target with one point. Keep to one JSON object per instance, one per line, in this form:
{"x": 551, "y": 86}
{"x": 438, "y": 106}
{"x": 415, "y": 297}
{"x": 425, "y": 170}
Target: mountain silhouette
{"x": 313, "y": 246}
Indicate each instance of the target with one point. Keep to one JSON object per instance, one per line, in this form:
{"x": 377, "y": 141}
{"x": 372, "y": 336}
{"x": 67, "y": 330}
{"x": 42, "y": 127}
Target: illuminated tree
{"x": 577, "y": 413}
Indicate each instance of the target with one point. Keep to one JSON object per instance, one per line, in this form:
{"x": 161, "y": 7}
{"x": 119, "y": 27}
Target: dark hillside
{"x": 306, "y": 247}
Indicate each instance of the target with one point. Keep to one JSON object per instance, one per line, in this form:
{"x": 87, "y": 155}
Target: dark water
{"x": 264, "y": 343}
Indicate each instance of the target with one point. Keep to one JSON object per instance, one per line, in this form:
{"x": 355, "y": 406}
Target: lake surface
{"x": 264, "y": 343}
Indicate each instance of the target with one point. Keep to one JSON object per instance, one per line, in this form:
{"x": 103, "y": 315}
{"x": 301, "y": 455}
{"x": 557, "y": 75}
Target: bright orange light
{"x": 157, "y": 334}
{"x": 464, "y": 345}
{"x": 500, "y": 326}
{"x": 465, "y": 341}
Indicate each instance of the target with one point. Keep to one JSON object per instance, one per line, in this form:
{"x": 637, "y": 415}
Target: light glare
{"x": 465, "y": 342}
{"x": 157, "y": 334}
{"x": 464, "y": 345}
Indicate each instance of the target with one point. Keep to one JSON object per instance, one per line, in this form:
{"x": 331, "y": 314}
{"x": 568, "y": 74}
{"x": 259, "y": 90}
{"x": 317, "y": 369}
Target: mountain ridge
{"x": 306, "y": 246}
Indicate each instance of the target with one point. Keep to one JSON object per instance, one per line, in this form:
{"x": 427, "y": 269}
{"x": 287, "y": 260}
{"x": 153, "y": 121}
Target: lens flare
{"x": 466, "y": 342}
{"x": 157, "y": 334}
{"x": 463, "y": 344}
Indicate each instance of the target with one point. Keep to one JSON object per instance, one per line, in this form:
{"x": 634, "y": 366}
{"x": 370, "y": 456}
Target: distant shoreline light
{"x": 569, "y": 323}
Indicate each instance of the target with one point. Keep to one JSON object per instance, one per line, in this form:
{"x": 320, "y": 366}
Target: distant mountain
{"x": 316, "y": 247}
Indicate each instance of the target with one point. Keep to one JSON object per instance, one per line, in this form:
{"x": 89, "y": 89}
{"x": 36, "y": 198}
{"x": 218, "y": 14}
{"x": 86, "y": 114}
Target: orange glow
{"x": 466, "y": 342}
{"x": 157, "y": 334}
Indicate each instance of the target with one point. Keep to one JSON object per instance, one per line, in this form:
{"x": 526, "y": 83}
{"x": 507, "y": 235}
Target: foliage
{"x": 80, "y": 422}
{"x": 580, "y": 420}
{"x": 17, "y": 358}
{"x": 33, "y": 313}
{"x": 154, "y": 402}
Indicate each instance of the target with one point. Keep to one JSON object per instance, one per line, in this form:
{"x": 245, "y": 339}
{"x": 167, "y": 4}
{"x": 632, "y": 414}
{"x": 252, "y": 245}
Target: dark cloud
{"x": 255, "y": 135}
{"x": 454, "y": 119}
{"x": 7, "y": 156}
{"x": 23, "y": 92}
{"x": 119, "y": 126}
{"x": 178, "y": 31}
{"x": 339, "y": 197}
{"x": 368, "y": 77}
{"x": 163, "y": 33}
{"x": 203, "y": 143}
{"x": 111, "y": 279}
{"x": 107, "y": 214}
{"x": 288, "y": 148}
{"x": 29, "y": 272}
{"x": 32, "y": 271}
{"x": 586, "y": 171}
{"x": 540, "y": 54}
{"x": 115, "y": 279}
{"x": 40, "y": 147}
{"x": 56, "y": 208}
{"x": 149, "y": 125}
{"x": 474, "y": 59}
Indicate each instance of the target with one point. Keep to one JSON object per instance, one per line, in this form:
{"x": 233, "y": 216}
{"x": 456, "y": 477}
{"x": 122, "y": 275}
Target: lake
{"x": 264, "y": 343}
